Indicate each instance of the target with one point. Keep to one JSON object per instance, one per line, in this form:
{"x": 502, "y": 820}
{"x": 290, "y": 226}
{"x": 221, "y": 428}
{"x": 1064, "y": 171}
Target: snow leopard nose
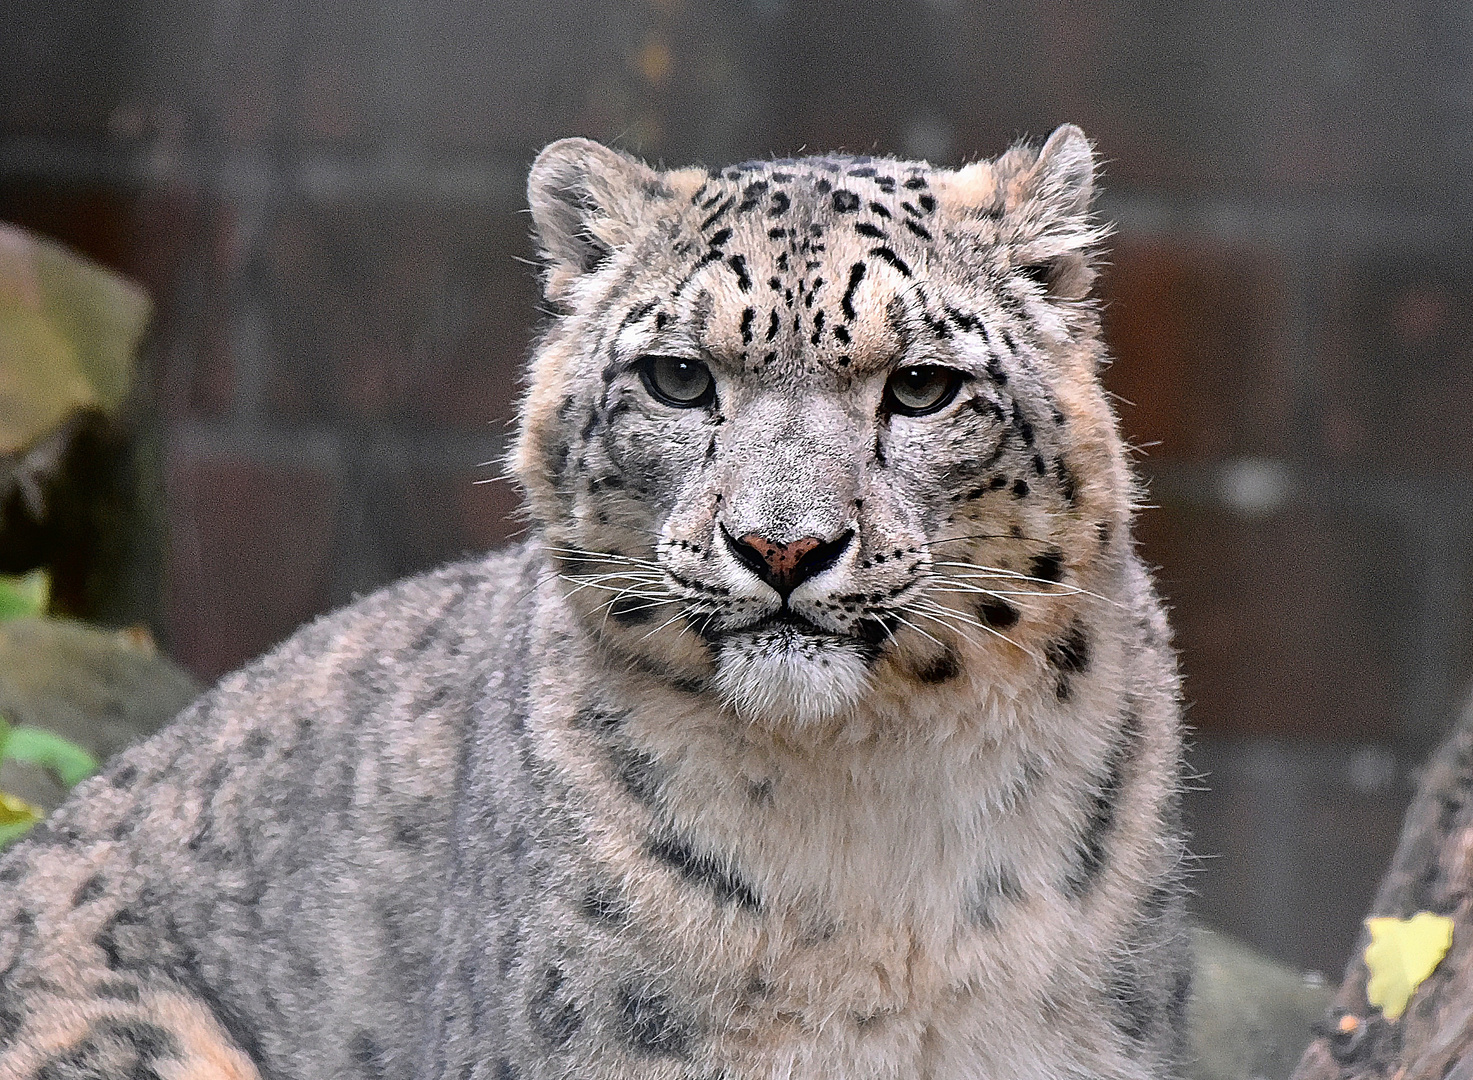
{"x": 786, "y": 566}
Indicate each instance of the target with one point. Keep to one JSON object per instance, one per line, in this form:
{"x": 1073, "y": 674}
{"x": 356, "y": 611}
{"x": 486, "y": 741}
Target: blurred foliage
{"x": 68, "y": 332}
{"x": 66, "y": 762}
{"x": 24, "y": 594}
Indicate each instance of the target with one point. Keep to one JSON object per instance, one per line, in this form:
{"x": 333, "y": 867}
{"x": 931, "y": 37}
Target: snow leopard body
{"x": 825, "y": 726}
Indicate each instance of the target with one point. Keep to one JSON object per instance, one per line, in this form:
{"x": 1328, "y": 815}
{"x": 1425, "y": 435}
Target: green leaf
{"x": 61, "y": 757}
{"x": 24, "y": 595}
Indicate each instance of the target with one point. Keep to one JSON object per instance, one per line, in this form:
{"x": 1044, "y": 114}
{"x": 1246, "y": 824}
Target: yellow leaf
{"x": 1402, "y": 953}
{"x": 15, "y": 811}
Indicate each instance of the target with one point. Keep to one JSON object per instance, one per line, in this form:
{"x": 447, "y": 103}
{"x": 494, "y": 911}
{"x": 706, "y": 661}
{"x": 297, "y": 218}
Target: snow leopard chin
{"x": 784, "y": 674}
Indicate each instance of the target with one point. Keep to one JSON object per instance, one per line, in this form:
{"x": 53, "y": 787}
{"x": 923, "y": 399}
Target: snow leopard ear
{"x": 1063, "y": 176}
{"x": 585, "y": 199}
{"x": 1058, "y": 179}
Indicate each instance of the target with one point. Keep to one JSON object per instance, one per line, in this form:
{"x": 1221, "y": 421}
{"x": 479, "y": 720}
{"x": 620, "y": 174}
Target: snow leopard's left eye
{"x": 918, "y": 391}
{"x": 676, "y": 381}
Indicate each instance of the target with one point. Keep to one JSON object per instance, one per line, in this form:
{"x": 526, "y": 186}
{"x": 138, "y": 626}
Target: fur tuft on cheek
{"x": 785, "y": 677}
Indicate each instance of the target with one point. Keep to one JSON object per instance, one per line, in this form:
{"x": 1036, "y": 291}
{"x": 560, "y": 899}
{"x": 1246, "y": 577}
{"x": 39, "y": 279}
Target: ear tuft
{"x": 1064, "y": 174}
{"x": 584, "y": 199}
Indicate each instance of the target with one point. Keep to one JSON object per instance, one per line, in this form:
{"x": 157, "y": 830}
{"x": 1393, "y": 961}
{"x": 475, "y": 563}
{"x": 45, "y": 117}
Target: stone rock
{"x": 1250, "y": 1016}
{"x": 102, "y": 689}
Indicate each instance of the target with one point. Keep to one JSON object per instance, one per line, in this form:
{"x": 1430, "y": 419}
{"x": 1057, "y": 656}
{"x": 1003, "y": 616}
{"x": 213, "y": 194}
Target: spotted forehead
{"x": 795, "y": 259}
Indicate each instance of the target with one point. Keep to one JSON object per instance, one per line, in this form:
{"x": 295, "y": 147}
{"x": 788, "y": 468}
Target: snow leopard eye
{"x": 918, "y": 391}
{"x": 676, "y": 381}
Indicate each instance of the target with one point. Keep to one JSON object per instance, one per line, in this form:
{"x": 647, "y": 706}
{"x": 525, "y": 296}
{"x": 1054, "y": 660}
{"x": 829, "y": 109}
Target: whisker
{"x": 584, "y": 555}
{"x": 900, "y": 618}
{"x": 627, "y": 590}
{"x": 637, "y": 607}
{"x": 944, "y": 622}
{"x": 986, "y": 536}
{"x": 662, "y": 626}
{"x": 957, "y": 615}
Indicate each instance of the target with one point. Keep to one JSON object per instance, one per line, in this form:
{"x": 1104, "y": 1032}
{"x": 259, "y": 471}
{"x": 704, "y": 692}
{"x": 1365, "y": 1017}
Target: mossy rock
{"x": 1250, "y": 1016}
{"x": 101, "y": 689}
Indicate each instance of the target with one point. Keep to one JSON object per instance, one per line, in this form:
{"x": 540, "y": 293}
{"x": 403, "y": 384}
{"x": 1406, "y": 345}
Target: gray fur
{"x": 608, "y": 805}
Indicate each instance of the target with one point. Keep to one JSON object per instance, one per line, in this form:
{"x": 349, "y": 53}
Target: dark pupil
{"x": 682, "y": 380}
{"x": 920, "y": 386}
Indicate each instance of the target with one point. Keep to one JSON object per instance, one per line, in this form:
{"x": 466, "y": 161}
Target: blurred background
{"x": 323, "y": 200}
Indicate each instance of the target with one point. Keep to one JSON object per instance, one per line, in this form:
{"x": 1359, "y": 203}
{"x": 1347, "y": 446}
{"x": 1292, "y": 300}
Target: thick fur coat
{"x": 826, "y": 726}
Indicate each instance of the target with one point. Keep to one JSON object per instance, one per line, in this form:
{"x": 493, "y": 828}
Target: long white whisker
{"x": 899, "y": 618}
{"x": 951, "y": 614}
{"x": 664, "y": 624}
{"x": 944, "y": 622}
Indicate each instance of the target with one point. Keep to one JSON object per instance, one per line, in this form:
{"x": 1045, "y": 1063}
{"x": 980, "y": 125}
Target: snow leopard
{"x": 824, "y": 724}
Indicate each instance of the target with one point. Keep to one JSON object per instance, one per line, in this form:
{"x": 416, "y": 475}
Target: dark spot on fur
{"x": 998, "y": 614}
{"x": 647, "y": 1022}
{"x": 116, "y": 990}
{"x": 751, "y": 194}
{"x": 553, "y": 1019}
{"x": 918, "y": 229}
{"x": 717, "y": 214}
{"x": 639, "y": 772}
{"x": 874, "y": 232}
{"x": 90, "y": 890}
{"x": 598, "y": 719}
{"x": 1068, "y": 486}
{"x": 845, "y": 202}
{"x": 748, "y": 314}
{"x": 856, "y": 275}
{"x": 603, "y": 904}
{"x": 761, "y": 793}
{"x": 630, "y": 610}
{"x": 113, "y": 1050}
{"x": 1049, "y": 566}
{"x": 941, "y": 668}
{"x": 928, "y": 202}
{"x": 824, "y": 187}
{"x": 704, "y": 870}
{"x": 989, "y": 892}
{"x": 893, "y": 259}
{"x": 11, "y": 1021}
{"x": 1021, "y": 488}
{"x": 738, "y": 264}
{"x": 1071, "y": 652}
{"x": 1090, "y": 851}
{"x": 366, "y": 1055}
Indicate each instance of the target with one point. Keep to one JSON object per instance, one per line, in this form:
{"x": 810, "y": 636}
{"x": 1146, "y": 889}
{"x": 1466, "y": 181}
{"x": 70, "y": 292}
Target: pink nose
{"x": 781, "y": 559}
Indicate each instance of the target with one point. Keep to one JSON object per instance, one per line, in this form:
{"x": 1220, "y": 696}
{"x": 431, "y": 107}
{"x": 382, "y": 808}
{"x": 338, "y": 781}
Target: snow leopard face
{"x": 803, "y": 429}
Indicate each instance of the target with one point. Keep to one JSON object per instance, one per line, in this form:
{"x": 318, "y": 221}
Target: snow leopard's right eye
{"x": 676, "y": 381}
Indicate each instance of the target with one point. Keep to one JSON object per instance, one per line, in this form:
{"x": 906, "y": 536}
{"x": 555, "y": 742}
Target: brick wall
{"x": 326, "y": 200}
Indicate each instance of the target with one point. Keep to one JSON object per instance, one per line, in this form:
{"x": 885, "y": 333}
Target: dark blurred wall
{"x": 325, "y": 198}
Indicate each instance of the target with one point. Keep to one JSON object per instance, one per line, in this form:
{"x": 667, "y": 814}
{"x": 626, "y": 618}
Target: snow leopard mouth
{"x": 867, "y": 634}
